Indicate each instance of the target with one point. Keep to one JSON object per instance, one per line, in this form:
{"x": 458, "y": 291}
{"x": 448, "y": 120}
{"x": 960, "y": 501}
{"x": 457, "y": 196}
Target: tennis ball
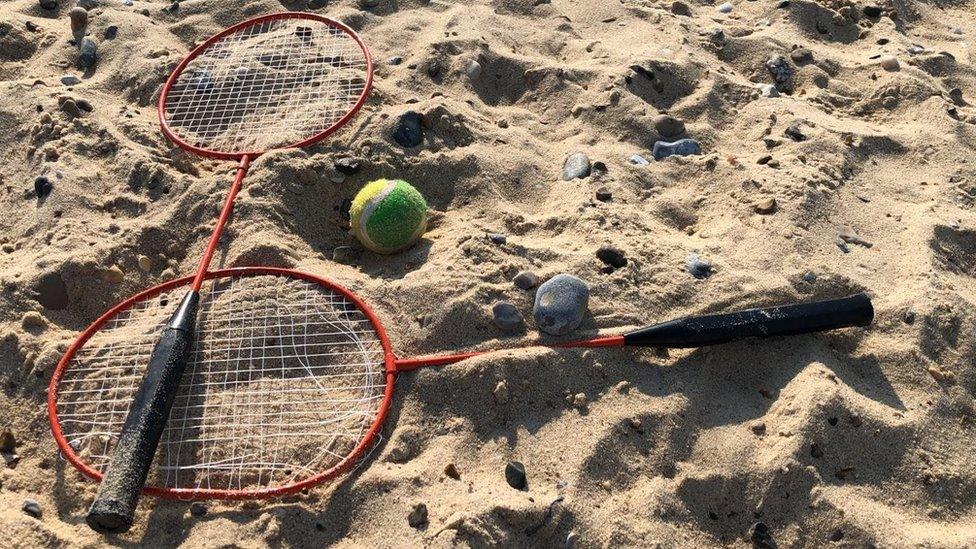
{"x": 388, "y": 215}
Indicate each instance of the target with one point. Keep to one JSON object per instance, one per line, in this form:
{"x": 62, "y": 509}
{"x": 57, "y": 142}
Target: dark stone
{"x": 347, "y": 165}
{"x": 698, "y": 267}
{"x": 611, "y": 256}
{"x": 87, "y": 54}
{"x": 497, "y": 238}
{"x": 48, "y": 4}
{"x": 526, "y": 280}
{"x": 409, "y": 132}
{"x": 761, "y": 537}
{"x": 801, "y": 56}
{"x": 668, "y": 126}
{"x": 451, "y": 471}
{"x": 31, "y": 26}
{"x": 780, "y": 69}
{"x": 42, "y": 186}
{"x": 872, "y": 11}
{"x": 515, "y": 475}
{"x": 681, "y": 147}
{"x": 198, "y": 509}
{"x": 603, "y": 194}
{"x": 507, "y": 316}
{"x": 418, "y": 516}
{"x": 84, "y": 105}
{"x": 111, "y": 32}
{"x": 783, "y": 4}
{"x": 680, "y": 8}
{"x": 32, "y": 508}
{"x": 795, "y": 133}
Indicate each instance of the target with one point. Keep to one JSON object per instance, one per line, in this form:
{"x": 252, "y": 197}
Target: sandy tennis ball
{"x": 388, "y": 215}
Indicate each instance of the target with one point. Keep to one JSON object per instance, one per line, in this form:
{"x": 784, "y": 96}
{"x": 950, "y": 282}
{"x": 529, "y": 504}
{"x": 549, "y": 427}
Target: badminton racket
{"x": 291, "y": 377}
{"x": 276, "y": 81}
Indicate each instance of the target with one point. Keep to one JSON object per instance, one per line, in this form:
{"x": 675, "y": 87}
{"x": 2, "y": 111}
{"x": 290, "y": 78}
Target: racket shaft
{"x": 114, "y": 507}
{"x": 804, "y": 318}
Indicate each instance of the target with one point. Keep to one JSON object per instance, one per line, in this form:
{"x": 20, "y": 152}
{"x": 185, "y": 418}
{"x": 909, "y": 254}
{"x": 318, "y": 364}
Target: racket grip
{"x": 804, "y": 318}
{"x": 115, "y": 505}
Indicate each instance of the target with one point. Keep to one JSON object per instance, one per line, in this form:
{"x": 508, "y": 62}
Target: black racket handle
{"x": 115, "y": 505}
{"x": 805, "y": 318}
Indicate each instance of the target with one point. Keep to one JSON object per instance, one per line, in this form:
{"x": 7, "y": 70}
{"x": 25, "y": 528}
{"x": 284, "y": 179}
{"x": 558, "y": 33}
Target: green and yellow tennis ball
{"x": 388, "y": 215}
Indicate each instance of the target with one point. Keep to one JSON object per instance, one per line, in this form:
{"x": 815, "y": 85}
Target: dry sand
{"x": 860, "y": 438}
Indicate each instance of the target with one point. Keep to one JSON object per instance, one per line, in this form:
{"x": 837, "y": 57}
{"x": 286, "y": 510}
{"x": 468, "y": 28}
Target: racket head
{"x": 317, "y": 387}
{"x": 287, "y": 79}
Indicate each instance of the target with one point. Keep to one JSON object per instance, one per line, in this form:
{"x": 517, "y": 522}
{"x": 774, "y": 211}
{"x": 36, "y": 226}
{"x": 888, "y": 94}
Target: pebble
{"x": 761, "y": 537}
{"x": 42, "y": 186}
{"x": 198, "y": 509}
{"x": 69, "y": 106}
{"x": 847, "y": 235}
{"x": 31, "y": 26}
{"x": 890, "y": 63}
{"x": 915, "y": 49}
{"x": 680, "y": 8}
{"x": 408, "y": 132}
{"x": 759, "y": 428}
{"x": 681, "y": 147}
{"x": 70, "y": 80}
{"x": 144, "y": 263}
{"x": 48, "y": 4}
{"x": 795, "y": 133}
{"x": 473, "y": 70}
{"x": 7, "y": 441}
{"x": 872, "y": 11}
{"x": 33, "y": 320}
{"x": 506, "y": 316}
{"x": 418, "y": 516}
{"x": 612, "y": 256}
{"x": 126, "y": 2}
{"x": 84, "y": 105}
{"x": 526, "y": 280}
{"x": 111, "y": 32}
{"x": 766, "y": 206}
{"x": 87, "y": 54}
{"x": 497, "y": 238}
{"x": 603, "y": 194}
{"x": 113, "y": 275}
{"x": 79, "y": 21}
{"x": 451, "y": 471}
{"x": 698, "y": 267}
{"x": 780, "y": 69}
{"x": 809, "y": 277}
{"x": 560, "y": 304}
{"x": 501, "y": 392}
{"x": 577, "y": 166}
{"x": 32, "y": 508}
{"x": 515, "y": 475}
{"x": 668, "y": 126}
{"x": 768, "y": 90}
{"x": 579, "y": 400}
{"x": 395, "y": 60}
{"x": 347, "y": 165}
{"x": 956, "y": 30}
{"x": 638, "y": 160}
{"x": 801, "y": 56}
{"x": 908, "y": 317}
{"x": 725, "y": 8}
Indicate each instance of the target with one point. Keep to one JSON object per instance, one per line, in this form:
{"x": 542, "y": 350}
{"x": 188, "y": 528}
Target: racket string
{"x": 284, "y": 381}
{"x": 273, "y": 84}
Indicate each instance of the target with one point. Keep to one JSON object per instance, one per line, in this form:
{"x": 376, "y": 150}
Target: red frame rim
{"x": 161, "y": 108}
{"x": 209, "y": 493}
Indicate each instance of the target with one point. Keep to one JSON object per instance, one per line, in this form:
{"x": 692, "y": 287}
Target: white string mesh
{"x": 272, "y": 84}
{"x": 285, "y": 378}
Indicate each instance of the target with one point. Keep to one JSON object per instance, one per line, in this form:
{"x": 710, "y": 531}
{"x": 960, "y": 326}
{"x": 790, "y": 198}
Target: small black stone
{"x": 794, "y": 133}
{"x": 409, "y": 132}
{"x": 198, "y": 509}
{"x": 783, "y": 4}
{"x": 347, "y": 165}
{"x": 603, "y": 194}
{"x": 497, "y": 238}
{"x": 515, "y": 475}
{"x": 111, "y": 32}
{"x": 611, "y": 256}
{"x": 761, "y": 537}
{"x": 42, "y": 186}
{"x": 680, "y": 8}
{"x": 31, "y": 26}
{"x": 84, "y": 105}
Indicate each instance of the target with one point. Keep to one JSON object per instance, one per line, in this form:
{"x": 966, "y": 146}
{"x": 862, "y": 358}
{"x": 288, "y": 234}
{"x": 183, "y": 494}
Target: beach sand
{"x": 858, "y": 176}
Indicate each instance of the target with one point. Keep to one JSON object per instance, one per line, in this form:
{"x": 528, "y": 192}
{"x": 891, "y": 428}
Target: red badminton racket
{"x": 276, "y": 81}
{"x": 291, "y": 377}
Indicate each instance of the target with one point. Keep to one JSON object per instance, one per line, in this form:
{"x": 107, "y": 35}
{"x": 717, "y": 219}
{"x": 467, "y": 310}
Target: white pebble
{"x": 473, "y": 70}
{"x": 725, "y": 8}
{"x": 890, "y": 63}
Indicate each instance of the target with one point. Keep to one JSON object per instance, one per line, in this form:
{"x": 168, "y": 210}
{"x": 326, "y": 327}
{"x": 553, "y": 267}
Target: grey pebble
{"x": 70, "y": 80}
{"x": 198, "y": 509}
{"x": 473, "y": 70}
{"x": 725, "y": 8}
{"x": 418, "y": 516}
{"x": 611, "y": 256}
{"x": 526, "y": 280}
{"x": 681, "y": 147}
{"x": 87, "y": 54}
{"x": 638, "y": 160}
{"x": 126, "y": 2}
{"x": 507, "y": 316}
{"x": 795, "y": 133}
{"x": 409, "y": 133}
{"x": 560, "y": 304}
{"x": 801, "y": 56}
{"x": 603, "y": 194}
{"x": 395, "y": 60}
{"x": 810, "y": 277}
{"x": 768, "y": 90}
{"x": 111, "y": 32}
{"x": 345, "y": 254}
{"x": 680, "y": 8}
{"x": 497, "y": 238}
{"x": 347, "y": 165}
{"x": 668, "y": 126}
{"x": 577, "y": 166}
{"x": 79, "y": 21}
{"x": 698, "y": 267}
{"x": 515, "y": 475}
{"x": 32, "y": 508}
{"x": 780, "y": 69}
{"x": 69, "y": 106}
{"x": 761, "y": 537}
